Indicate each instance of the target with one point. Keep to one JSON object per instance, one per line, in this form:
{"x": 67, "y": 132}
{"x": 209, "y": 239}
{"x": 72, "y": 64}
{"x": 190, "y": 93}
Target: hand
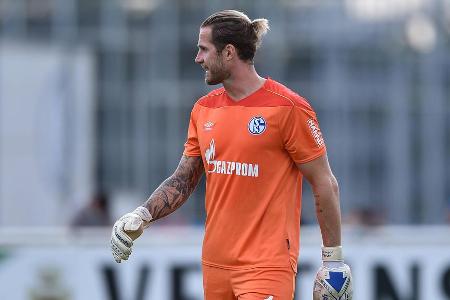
{"x": 334, "y": 279}
{"x": 128, "y": 228}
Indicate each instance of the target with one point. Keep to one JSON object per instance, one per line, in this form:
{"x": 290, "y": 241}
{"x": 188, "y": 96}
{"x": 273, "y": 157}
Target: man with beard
{"x": 254, "y": 139}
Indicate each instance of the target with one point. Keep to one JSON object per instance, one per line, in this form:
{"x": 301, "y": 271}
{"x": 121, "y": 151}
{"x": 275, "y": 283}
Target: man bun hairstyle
{"x": 235, "y": 28}
{"x": 261, "y": 26}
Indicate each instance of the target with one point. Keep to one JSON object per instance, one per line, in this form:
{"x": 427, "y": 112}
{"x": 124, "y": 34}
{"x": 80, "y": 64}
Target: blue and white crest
{"x": 257, "y": 125}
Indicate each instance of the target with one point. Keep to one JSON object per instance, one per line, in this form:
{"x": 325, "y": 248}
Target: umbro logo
{"x": 269, "y": 298}
{"x": 208, "y": 125}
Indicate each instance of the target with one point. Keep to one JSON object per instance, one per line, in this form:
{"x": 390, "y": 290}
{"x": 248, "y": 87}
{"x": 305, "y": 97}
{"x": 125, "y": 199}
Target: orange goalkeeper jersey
{"x": 253, "y": 187}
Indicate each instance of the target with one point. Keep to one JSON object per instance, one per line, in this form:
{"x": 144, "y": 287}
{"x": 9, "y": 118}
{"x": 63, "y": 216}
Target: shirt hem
{"x": 192, "y": 154}
{"x": 319, "y": 154}
{"x": 210, "y": 264}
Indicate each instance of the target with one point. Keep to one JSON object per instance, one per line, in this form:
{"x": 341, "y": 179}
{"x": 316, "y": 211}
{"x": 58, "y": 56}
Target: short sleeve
{"x": 191, "y": 146}
{"x": 301, "y": 134}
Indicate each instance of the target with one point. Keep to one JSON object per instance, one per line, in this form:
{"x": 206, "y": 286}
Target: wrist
{"x": 144, "y": 214}
{"x": 332, "y": 254}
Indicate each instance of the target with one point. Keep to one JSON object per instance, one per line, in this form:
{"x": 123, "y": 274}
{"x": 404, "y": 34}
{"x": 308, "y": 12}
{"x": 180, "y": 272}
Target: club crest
{"x": 257, "y": 125}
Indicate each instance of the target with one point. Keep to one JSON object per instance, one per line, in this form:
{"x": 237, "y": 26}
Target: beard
{"x": 216, "y": 73}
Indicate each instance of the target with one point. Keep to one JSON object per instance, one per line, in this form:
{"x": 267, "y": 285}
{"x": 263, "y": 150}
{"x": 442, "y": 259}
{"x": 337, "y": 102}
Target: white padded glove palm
{"x": 334, "y": 279}
{"x": 128, "y": 228}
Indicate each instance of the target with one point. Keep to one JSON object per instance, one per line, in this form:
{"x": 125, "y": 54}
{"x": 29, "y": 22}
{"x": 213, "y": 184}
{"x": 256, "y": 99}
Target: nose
{"x": 198, "y": 58}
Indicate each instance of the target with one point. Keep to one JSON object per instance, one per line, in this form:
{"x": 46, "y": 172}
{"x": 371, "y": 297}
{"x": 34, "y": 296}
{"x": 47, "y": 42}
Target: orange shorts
{"x": 248, "y": 284}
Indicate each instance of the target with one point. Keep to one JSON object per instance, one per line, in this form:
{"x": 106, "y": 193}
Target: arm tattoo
{"x": 176, "y": 189}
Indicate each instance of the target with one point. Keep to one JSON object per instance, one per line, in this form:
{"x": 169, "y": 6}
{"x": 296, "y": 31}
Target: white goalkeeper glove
{"x": 128, "y": 228}
{"x": 334, "y": 279}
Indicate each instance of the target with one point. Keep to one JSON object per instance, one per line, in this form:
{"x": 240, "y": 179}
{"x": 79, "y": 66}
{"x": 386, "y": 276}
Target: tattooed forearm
{"x": 176, "y": 189}
{"x": 328, "y": 212}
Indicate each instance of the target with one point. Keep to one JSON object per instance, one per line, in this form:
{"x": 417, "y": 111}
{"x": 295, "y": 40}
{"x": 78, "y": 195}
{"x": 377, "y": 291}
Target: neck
{"x": 243, "y": 81}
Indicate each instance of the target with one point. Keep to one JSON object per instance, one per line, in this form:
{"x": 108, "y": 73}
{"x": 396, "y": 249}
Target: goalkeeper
{"x": 254, "y": 139}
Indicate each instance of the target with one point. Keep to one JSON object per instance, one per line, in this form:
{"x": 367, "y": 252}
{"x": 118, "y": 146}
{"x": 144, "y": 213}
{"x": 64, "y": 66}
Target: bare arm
{"x": 176, "y": 189}
{"x": 326, "y": 194}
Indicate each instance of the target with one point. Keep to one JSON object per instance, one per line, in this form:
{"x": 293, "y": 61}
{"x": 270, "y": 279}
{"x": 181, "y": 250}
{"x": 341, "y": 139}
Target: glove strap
{"x": 332, "y": 253}
{"x": 144, "y": 214}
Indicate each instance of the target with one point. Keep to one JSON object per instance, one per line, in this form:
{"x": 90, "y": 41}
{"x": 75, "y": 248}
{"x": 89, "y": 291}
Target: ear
{"x": 229, "y": 52}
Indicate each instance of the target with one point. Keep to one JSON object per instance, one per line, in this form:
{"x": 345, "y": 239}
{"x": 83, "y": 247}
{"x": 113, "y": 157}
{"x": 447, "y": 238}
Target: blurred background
{"x": 95, "y": 98}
